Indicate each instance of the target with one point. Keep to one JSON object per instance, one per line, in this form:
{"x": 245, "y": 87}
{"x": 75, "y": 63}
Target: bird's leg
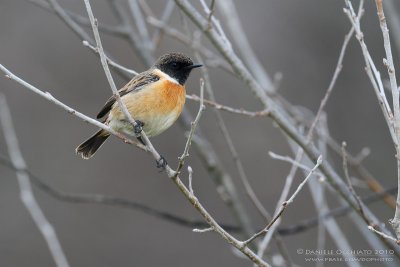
{"x": 161, "y": 163}
{"x": 138, "y": 128}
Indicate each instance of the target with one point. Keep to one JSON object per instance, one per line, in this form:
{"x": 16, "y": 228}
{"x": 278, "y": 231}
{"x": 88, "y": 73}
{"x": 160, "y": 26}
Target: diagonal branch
{"x": 110, "y": 80}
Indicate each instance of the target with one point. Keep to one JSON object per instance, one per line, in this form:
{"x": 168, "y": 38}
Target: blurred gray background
{"x": 300, "y": 39}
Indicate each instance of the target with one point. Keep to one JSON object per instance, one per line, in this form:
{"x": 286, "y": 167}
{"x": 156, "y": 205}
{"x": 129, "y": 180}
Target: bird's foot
{"x": 161, "y": 163}
{"x": 138, "y": 128}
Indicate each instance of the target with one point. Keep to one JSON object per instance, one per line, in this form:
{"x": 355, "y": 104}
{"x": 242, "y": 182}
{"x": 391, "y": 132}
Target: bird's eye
{"x": 174, "y": 65}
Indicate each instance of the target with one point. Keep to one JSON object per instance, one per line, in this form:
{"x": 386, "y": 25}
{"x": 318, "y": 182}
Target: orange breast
{"x": 158, "y": 105}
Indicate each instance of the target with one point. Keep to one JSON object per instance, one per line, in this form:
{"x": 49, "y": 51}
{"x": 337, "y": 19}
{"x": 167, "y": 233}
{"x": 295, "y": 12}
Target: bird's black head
{"x": 176, "y": 65}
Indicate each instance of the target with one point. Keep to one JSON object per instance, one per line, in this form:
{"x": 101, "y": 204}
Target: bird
{"x": 154, "y": 98}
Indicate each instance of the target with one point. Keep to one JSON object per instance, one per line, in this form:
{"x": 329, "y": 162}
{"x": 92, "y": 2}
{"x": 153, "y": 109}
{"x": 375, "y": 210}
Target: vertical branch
{"x": 347, "y": 176}
{"x": 110, "y": 80}
{"x": 194, "y": 124}
{"x": 26, "y": 193}
{"x": 388, "y": 62}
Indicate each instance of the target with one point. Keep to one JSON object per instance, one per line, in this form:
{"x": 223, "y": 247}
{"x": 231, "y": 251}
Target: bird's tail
{"x": 87, "y": 149}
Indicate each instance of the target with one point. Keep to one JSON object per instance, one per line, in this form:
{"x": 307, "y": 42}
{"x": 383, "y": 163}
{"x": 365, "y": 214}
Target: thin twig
{"x": 291, "y": 161}
{"x": 239, "y": 111}
{"x": 109, "y": 29}
{"x": 384, "y": 235}
{"x": 372, "y": 72}
{"x": 285, "y": 204}
{"x": 138, "y": 46}
{"x": 212, "y": 59}
{"x": 62, "y": 14}
{"x": 205, "y": 230}
{"x": 362, "y": 172}
{"x": 185, "y": 153}
{"x": 347, "y": 176}
{"x": 110, "y": 61}
{"x": 335, "y": 212}
{"x": 70, "y": 110}
{"x": 190, "y": 171}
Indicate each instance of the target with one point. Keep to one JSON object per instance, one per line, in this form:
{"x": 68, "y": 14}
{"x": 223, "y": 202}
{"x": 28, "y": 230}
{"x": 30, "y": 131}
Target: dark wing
{"x": 133, "y": 85}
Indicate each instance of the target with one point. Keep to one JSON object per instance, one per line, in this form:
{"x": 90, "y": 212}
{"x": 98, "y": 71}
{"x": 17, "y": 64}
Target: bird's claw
{"x": 161, "y": 163}
{"x": 138, "y": 128}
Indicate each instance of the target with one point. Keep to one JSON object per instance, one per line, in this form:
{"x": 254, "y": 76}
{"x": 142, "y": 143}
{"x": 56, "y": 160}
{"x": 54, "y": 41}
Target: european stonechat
{"x": 154, "y": 98}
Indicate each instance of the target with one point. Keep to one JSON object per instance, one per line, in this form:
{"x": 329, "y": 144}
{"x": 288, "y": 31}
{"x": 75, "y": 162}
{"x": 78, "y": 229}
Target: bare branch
{"x": 285, "y": 204}
{"x": 384, "y": 235}
{"x": 212, "y": 59}
{"x": 291, "y": 161}
{"x": 238, "y": 163}
{"x": 239, "y": 111}
{"x": 388, "y": 62}
{"x": 205, "y": 230}
{"x": 132, "y": 205}
{"x": 277, "y": 113}
{"x": 347, "y": 176}
{"x": 110, "y": 61}
{"x": 26, "y": 193}
{"x": 114, "y": 30}
{"x": 300, "y": 151}
{"x": 372, "y": 72}
{"x": 70, "y": 110}
{"x": 69, "y": 21}
{"x": 185, "y": 153}
{"x": 110, "y": 80}
{"x": 139, "y": 47}
{"x": 171, "y": 174}
{"x": 190, "y": 171}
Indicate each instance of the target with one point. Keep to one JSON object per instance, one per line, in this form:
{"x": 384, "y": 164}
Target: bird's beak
{"x": 193, "y": 66}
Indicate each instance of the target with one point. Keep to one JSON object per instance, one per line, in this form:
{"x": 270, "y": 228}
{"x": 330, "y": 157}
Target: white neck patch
{"x": 166, "y": 76}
